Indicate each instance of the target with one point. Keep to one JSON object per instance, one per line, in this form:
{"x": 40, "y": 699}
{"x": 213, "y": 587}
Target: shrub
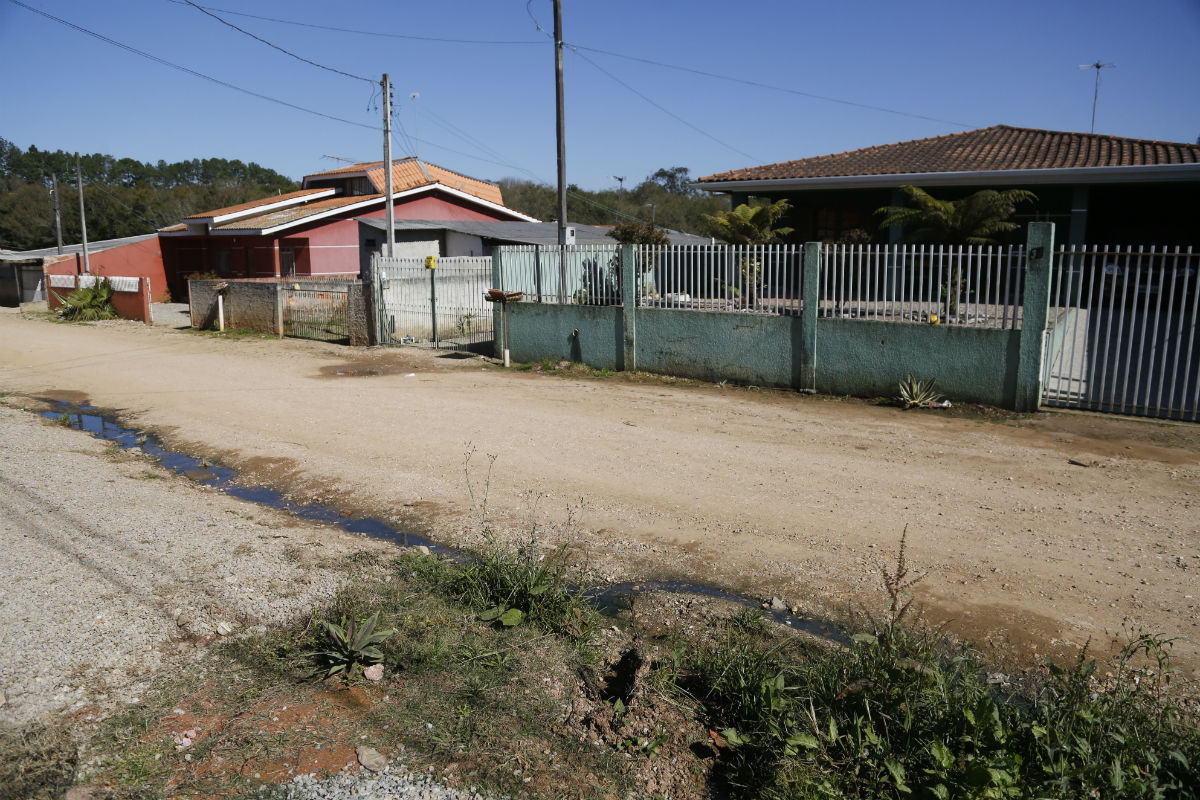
{"x": 88, "y": 303}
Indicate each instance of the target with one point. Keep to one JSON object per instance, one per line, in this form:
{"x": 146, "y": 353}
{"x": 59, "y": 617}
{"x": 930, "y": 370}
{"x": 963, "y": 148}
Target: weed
{"x": 293, "y": 553}
{"x": 515, "y": 585}
{"x": 151, "y": 475}
{"x": 907, "y": 712}
{"x": 348, "y": 646}
{"x": 37, "y": 762}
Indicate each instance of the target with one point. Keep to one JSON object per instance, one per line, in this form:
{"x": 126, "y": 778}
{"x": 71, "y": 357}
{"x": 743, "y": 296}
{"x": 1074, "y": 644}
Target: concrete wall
{"x": 869, "y": 359}
{"x": 254, "y": 305}
{"x": 746, "y": 348}
{"x": 838, "y": 356}
{"x": 135, "y": 260}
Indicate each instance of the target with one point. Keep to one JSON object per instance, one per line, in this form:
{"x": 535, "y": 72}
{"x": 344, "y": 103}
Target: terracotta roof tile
{"x": 284, "y": 216}
{"x": 247, "y": 206}
{"x": 410, "y": 173}
{"x": 1000, "y": 147}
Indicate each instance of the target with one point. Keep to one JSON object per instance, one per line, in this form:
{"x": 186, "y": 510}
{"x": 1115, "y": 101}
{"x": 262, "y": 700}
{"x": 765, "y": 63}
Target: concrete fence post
{"x": 499, "y": 320}
{"x": 144, "y": 292}
{"x": 629, "y": 301}
{"x": 810, "y": 289}
{"x": 1039, "y": 260}
{"x": 278, "y": 309}
{"x": 371, "y": 299}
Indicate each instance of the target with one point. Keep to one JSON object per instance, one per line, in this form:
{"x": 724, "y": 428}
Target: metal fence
{"x": 940, "y": 284}
{"x": 576, "y": 274}
{"x": 321, "y": 314}
{"x": 765, "y": 279}
{"x": 1123, "y": 331}
{"x": 440, "y": 307}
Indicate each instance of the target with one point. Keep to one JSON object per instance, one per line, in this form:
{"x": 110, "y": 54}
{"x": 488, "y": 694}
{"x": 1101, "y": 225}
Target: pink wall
{"x": 137, "y": 260}
{"x": 434, "y": 207}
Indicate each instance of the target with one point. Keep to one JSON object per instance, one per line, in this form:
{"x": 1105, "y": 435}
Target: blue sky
{"x": 486, "y": 107}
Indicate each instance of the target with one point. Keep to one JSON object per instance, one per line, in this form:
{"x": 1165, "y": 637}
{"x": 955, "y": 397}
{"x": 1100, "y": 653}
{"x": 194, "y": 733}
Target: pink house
{"x": 313, "y": 232}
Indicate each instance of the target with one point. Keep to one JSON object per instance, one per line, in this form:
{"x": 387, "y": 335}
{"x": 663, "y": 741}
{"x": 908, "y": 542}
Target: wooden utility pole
{"x": 562, "y": 129}
{"x": 87, "y": 267}
{"x": 387, "y": 166}
{"x": 57, "y": 213}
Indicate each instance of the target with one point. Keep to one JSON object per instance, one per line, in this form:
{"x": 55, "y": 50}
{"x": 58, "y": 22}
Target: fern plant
{"x": 914, "y": 392}
{"x": 349, "y": 646}
{"x": 88, "y": 303}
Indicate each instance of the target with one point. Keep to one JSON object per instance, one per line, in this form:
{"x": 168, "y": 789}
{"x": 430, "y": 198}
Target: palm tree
{"x": 749, "y": 225}
{"x": 974, "y": 219}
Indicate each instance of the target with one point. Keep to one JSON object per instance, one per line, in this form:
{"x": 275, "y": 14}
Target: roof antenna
{"x": 1096, "y": 96}
{"x": 416, "y": 124}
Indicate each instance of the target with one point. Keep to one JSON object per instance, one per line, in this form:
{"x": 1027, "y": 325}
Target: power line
{"x": 772, "y": 87}
{"x": 204, "y": 10}
{"x": 668, "y": 112}
{"x": 192, "y": 72}
{"x": 360, "y": 32}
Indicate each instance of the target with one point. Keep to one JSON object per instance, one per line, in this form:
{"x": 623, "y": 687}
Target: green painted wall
{"x": 744, "y": 348}
{"x": 545, "y": 330}
{"x": 868, "y": 359}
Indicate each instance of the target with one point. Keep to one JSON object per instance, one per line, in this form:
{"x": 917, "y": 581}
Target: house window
{"x": 222, "y": 262}
{"x": 361, "y": 186}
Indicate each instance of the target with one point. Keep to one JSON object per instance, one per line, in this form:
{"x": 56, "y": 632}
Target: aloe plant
{"x": 918, "y": 393}
{"x": 349, "y": 646}
{"x": 88, "y": 303}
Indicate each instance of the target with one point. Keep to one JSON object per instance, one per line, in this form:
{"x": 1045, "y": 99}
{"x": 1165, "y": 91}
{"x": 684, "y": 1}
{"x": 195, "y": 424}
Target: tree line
{"x": 123, "y": 196}
{"x": 665, "y": 197}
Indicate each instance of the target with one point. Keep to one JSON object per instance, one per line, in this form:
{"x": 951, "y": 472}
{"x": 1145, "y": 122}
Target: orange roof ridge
{"x": 252, "y": 204}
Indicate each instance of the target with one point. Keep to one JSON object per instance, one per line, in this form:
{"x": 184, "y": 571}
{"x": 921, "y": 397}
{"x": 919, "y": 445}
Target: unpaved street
{"x": 1036, "y": 534}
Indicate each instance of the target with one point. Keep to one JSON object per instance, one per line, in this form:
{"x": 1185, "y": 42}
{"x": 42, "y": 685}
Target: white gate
{"x": 1122, "y": 332}
{"x": 441, "y": 307}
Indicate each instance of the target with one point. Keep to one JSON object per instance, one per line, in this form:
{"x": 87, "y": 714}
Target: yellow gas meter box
{"x": 430, "y": 262}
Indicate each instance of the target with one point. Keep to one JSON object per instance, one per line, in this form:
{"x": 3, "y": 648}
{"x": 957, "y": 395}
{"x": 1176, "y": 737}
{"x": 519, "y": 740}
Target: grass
{"x": 37, "y": 762}
{"x": 458, "y": 691}
{"x": 906, "y": 712}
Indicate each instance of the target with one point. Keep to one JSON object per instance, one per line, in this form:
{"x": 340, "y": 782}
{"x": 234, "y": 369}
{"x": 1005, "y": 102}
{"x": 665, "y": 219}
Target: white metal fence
{"x": 942, "y": 284}
{"x": 763, "y": 279}
{"x": 1123, "y": 333}
{"x": 576, "y": 274}
{"x": 443, "y": 307}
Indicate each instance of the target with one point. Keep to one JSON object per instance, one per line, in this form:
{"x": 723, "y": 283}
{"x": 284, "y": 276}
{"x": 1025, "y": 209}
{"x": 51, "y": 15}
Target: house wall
{"x": 135, "y": 260}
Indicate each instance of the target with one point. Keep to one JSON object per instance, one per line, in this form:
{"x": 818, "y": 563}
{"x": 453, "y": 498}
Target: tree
{"x": 631, "y": 232}
{"x": 750, "y": 224}
{"x": 676, "y": 180}
{"x": 974, "y": 219}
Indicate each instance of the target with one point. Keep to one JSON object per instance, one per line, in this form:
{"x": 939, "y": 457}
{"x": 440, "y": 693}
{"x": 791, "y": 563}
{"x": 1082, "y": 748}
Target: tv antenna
{"x": 416, "y": 96}
{"x": 340, "y": 158}
{"x": 1096, "y": 95}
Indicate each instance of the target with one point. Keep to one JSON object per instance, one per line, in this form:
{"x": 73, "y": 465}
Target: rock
{"x": 224, "y": 628}
{"x": 3, "y": 698}
{"x": 80, "y": 793}
{"x": 422, "y": 549}
{"x": 373, "y": 672}
{"x": 778, "y": 604}
{"x": 371, "y": 758}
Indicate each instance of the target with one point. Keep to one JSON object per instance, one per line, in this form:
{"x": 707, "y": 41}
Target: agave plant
{"x": 88, "y": 303}
{"x": 918, "y": 393}
{"x": 349, "y": 646}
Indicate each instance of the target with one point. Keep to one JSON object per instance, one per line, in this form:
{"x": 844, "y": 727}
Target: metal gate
{"x": 441, "y": 307}
{"x": 316, "y": 314}
{"x": 1122, "y": 332}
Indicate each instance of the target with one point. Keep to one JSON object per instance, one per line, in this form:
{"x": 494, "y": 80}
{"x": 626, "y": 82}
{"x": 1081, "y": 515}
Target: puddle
{"x": 609, "y": 600}
{"x": 364, "y": 370}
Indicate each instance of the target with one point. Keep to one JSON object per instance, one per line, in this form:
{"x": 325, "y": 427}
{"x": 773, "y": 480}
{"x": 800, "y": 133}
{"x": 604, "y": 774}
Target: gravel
{"x": 395, "y": 782}
{"x": 114, "y": 569}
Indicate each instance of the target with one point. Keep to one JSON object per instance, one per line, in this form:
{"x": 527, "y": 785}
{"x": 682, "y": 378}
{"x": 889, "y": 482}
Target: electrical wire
{"x": 94, "y": 184}
{"x": 192, "y": 72}
{"x": 668, "y": 112}
{"x": 761, "y": 85}
{"x": 204, "y": 10}
{"x": 442, "y": 39}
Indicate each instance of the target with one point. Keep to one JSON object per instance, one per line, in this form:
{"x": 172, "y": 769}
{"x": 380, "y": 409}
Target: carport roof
{"x": 541, "y": 233}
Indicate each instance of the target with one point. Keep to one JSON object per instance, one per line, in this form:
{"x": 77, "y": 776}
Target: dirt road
{"x": 1035, "y": 534}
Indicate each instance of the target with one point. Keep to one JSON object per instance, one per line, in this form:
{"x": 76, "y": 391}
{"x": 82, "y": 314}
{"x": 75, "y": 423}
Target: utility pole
{"x": 87, "y": 266}
{"x": 1095, "y": 95}
{"x": 562, "y": 128}
{"x": 387, "y": 165}
{"x": 57, "y": 214}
